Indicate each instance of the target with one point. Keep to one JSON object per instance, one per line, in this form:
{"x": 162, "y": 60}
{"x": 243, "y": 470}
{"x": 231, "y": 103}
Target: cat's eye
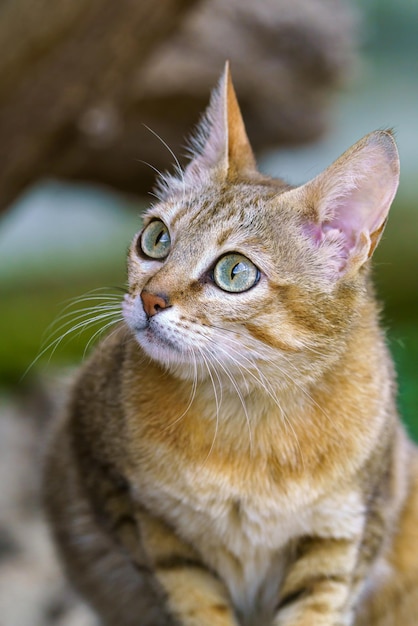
{"x": 235, "y": 273}
{"x": 155, "y": 240}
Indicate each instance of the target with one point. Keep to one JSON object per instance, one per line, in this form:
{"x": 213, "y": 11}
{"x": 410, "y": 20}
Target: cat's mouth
{"x": 158, "y": 340}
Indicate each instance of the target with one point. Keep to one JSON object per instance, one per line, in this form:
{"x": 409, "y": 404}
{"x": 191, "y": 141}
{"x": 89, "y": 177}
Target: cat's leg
{"x": 317, "y": 588}
{"x": 391, "y": 595}
{"x": 97, "y": 536}
{"x": 99, "y": 565}
{"x": 194, "y": 594}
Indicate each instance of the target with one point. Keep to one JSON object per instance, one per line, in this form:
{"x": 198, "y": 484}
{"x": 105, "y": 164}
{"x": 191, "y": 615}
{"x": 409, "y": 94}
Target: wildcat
{"x": 231, "y": 454}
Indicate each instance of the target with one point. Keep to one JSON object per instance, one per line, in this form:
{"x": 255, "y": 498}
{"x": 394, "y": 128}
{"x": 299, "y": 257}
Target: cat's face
{"x": 236, "y": 283}
{"x": 237, "y": 275}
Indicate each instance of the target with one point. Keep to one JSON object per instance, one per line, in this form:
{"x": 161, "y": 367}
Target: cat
{"x": 231, "y": 454}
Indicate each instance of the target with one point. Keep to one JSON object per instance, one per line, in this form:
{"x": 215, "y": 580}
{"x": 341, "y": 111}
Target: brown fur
{"x": 236, "y": 458}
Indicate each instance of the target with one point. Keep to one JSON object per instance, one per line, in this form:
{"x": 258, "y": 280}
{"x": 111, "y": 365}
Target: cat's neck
{"x": 258, "y": 403}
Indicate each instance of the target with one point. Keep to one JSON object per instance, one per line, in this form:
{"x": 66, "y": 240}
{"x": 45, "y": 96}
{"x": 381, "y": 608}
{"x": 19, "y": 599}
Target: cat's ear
{"x": 347, "y": 205}
{"x": 221, "y": 142}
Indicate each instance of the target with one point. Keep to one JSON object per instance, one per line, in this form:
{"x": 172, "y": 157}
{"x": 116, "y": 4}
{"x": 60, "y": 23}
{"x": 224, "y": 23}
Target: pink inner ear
{"x": 349, "y": 230}
{"x": 346, "y": 212}
{"x": 351, "y": 217}
{"x": 334, "y": 230}
{"x": 352, "y": 199}
{"x": 339, "y": 243}
{"x": 314, "y": 232}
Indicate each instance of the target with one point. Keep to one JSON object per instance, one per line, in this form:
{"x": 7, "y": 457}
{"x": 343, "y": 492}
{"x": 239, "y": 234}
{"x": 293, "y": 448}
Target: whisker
{"x": 149, "y": 164}
{"x": 85, "y": 312}
{"x": 80, "y": 326}
{"x": 179, "y": 168}
{"x": 201, "y": 352}
{"x": 239, "y": 394}
{"x": 283, "y": 372}
{"x": 100, "y": 332}
{"x": 87, "y": 318}
{"x": 108, "y": 307}
{"x": 191, "y": 397}
{"x": 271, "y": 393}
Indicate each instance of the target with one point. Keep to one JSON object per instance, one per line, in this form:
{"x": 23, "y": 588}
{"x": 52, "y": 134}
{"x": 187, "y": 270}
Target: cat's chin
{"x": 167, "y": 353}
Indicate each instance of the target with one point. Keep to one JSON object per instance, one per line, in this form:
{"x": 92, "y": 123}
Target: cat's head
{"x": 237, "y": 272}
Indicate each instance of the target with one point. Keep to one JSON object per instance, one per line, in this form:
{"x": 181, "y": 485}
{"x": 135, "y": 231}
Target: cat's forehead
{"x": 239, "y": 210}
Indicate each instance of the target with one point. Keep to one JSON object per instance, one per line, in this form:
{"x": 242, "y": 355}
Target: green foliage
{"x": 404, "y": 346}
{"x": 26, "y": 315}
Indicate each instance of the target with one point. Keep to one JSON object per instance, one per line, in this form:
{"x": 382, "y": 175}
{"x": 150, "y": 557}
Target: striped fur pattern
{"x": 236, "y": 459}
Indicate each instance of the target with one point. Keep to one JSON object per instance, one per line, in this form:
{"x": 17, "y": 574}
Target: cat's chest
{"x": 218, "y": 510}
{"x": 244, "y": 500}
{"x": 239, "y": 505}
{"x": 242, "y": 532}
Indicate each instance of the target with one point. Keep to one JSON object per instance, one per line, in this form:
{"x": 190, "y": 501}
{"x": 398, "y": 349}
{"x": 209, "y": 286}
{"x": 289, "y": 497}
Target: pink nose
{"x": 153, "y": 304}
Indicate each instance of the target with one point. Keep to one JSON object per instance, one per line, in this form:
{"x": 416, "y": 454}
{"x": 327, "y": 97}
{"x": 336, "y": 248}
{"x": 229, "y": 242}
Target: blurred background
{"x": 80, "y": 82}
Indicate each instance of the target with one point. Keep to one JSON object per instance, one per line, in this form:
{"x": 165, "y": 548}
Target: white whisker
{"x": 239, "y": 393}
{"x": 273, "y": 361}
{"x": 179, "y": 168}
{"x": 191, "y": 397}
{"x": 149, "y": 164}
{"x": 82, "y": 313}
{"x": 265, "y": 384}
{"x": 100, "y": 332}
{"x": 77, "y": 320}
{"x": 217, "y": 403}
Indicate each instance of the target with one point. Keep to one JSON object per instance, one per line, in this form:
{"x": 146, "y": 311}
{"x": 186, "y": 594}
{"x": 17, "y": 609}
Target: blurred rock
{"x": 33, "y": 591}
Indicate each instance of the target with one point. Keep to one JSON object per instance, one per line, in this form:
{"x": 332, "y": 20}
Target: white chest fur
{"x": 244, "y": 529}
{"x": 245, "y": 538}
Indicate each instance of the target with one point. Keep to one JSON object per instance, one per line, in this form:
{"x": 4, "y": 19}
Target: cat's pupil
{"x": 162, "y": 237}
{"x": 239, "y": 267}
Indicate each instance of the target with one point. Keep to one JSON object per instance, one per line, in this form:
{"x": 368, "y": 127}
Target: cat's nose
{"x": 152, "y": 303}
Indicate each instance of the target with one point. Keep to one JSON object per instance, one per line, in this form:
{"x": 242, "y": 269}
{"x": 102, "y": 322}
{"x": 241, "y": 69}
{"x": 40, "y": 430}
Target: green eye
{"x": 155, "y": 240}
{"x": 235, "y": 273}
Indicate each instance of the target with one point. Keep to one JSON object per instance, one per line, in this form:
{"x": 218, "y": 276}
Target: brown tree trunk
{"x": 80, "y": 78}
{"x": 66, "y": 68}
